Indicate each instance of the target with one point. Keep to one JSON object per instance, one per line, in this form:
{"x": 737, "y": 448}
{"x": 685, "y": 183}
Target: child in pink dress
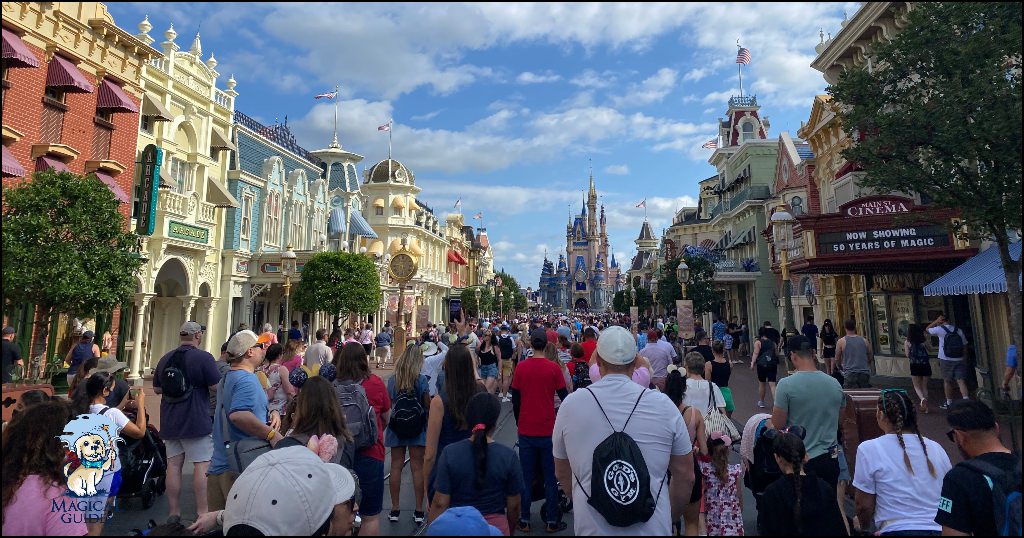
{"x": 723, "y": 498}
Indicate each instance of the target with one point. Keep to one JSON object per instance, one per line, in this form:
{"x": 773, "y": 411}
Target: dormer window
{"x": 747, "y": 131}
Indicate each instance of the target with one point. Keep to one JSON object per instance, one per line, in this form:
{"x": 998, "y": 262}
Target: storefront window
{"x": 902, "y": 317}
{"x": 880, "y": 314}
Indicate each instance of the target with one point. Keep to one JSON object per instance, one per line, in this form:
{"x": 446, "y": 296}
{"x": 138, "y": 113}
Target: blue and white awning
{"x": 981, "y": 274}
{"x": 357, "y": 224}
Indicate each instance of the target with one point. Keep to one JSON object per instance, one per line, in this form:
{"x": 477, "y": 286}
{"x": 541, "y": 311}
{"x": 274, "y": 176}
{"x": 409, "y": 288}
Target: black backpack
{"x": 1006, "y": 501}
{"x": 919, "y": 354}
{"x": 507, "y": 346}
{"x": 953, "y": 344}
{"x": 407, "y": 420}
{"x": 580, "y": 375}
{"x": 767, "y": 358}
{"x": 622, "y": 494}
{"x": 174, "y": 385}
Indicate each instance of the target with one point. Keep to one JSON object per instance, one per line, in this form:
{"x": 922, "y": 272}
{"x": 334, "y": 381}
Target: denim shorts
{"x": 371, "y": 481}
{"x": 488, "y": 370}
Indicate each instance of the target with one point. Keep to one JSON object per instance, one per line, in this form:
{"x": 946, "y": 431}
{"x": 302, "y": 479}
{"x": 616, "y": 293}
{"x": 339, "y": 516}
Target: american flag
{"x": 643, "y": 204}
{"x": 711, "y": 144}
{"x": 479, "y": 215}
{"x": 330, "y": 95}
{"x": 743, "y": 56}
{"x": 386, "y": 127}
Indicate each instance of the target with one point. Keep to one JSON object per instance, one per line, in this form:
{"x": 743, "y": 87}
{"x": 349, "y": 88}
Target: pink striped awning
{"x": 113, "y": 98}
{"x": 16, "y": 52}
{"x": 112, "y": 185}
{"x": 63, "y": 74}
{"x": 11, "y": 166}
{"x": 46, "y": 162}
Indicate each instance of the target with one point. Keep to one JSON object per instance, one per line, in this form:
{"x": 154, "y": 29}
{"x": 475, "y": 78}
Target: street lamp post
{"x": 288, "y": 269}
{"x": 501, "y": 307}
{"x": 476, "y": 293}
{"x": 683, "y": 275}
{"x": 782, "y": 234}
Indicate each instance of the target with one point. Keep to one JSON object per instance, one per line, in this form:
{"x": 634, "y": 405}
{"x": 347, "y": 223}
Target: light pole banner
{"x": 634, "y": 314}
{"x": 684, "y": 311}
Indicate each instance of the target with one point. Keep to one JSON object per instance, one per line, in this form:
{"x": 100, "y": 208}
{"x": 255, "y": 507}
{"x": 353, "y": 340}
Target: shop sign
{"x": 152, "y": 156}
{"x": 876, "y": 206}
{"x": 180, "y": 230}
{"x": 882, "y": 240}
{"x": 422, "y": 316}
{"x": 242, "y": 266}
{"x": 274, "y": 268}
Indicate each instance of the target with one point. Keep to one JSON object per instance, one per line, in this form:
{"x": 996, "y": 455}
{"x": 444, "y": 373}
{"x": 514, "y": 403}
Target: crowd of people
{"x": 622, "y": 422}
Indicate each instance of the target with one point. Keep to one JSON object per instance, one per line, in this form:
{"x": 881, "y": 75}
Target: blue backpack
{"x": 1006, "y": 500}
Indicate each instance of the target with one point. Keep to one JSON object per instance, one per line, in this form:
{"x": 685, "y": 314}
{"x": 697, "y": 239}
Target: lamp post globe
{"x": 683, "y": 275}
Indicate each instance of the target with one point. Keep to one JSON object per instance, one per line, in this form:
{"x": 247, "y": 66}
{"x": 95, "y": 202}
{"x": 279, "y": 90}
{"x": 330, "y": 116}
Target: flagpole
{"x": 335, "y": 143}
{"x": 739, "y": 68}
{"x": 390, "y": 129}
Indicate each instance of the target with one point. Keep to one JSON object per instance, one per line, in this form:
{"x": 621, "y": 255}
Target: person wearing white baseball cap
{"x": 287, "y": 492}
{"x": 614, "y": 403}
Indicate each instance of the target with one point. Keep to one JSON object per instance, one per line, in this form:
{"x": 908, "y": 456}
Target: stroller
{"x": 143, "y": 467}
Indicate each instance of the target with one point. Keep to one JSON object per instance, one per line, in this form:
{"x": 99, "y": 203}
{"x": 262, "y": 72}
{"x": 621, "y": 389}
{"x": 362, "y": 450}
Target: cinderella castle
{"x": 584, "y": 279}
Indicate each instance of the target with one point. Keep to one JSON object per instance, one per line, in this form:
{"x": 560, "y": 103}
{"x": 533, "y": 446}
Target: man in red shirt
{"x": 589, "y": 344}
{"x": 534, "y": 385}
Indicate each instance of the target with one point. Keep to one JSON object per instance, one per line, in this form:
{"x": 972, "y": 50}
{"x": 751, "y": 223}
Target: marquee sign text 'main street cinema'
{"x": 908, "y": 237}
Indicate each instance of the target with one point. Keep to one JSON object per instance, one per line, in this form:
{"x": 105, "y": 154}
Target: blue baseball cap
{"x": 462, "y": 521}
{"x": 294, "y": 334}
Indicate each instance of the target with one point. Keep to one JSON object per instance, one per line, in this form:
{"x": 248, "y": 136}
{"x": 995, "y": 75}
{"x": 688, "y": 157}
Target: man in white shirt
{"x": 656, "y": 426}
{"x": 318, "y": 353}
{"x": 954, "y": 369}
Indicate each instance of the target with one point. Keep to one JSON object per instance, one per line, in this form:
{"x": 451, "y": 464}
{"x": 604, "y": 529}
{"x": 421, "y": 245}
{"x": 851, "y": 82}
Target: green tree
{"x": 942, "y": 116}
{"x": 338, "y": 282}
{"x": 621, "y": 301}
{"x": 65, "y": 247}
{"x": 469, "y": 304}
{"x": 700, "y": 288}
{"x": 515, "y": 300}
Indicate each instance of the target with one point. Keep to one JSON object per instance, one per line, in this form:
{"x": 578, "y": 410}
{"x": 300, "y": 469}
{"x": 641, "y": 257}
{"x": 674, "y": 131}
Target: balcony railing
{"x": 160, "y": 64}
{"x": 754, "y": 192}
{"x": 223, "y": 99}
{"x": 174, "y": 203}
{"x": 207, "y": 213}
{"x": 729, "y": 265}
{"x": 749, "y": 100}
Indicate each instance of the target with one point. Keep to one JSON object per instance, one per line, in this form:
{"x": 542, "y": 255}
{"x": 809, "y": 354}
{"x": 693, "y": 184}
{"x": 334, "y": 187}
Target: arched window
{"x": 797, "y": 205}
{"x": 747, "y": 131}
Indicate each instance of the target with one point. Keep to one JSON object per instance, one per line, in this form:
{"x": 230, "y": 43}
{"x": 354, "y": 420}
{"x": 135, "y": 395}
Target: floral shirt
{"x": 722, "y": 501}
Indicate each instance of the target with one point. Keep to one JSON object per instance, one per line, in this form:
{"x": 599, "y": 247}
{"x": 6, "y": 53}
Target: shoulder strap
{"x": 946, "y": 329}
{"x": 711, "y": 396}
{"x": 223, "y": 396}
{"x": 104, "y": 410}
{"x": 993, "y": 473}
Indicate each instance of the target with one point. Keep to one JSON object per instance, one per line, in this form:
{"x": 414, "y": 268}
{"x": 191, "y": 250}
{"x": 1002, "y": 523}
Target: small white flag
{"x": 479, "y": 215}
{"x": 643, "y": 204}
{"x": 458, "y": 203}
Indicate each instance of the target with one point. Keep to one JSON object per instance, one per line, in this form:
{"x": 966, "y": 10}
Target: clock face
{"x": 581, "y": 276}
{"x": 400, "y": 175}
{"x": 336, "y": 201}
{"x": 403, "y": 266}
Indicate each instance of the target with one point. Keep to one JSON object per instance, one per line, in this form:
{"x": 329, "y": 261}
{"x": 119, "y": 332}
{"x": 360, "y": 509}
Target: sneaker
{"x": 524, "y": 527}
{"x": 944, "y": 406}
{"x": 760, "y": 404}
{"x": 506, "y": 398}
{"x": 555, "y": 527}
{"x": 419, "y": 517}
{"x": 393, "y": 515}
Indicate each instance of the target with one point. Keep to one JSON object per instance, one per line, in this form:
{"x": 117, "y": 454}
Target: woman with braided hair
{"x": 898, "y": 478}
{"x": 798, "y": 503}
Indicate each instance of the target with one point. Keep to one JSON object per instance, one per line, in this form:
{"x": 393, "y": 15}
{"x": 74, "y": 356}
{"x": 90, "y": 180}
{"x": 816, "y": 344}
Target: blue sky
{"x": 505, "y": 105}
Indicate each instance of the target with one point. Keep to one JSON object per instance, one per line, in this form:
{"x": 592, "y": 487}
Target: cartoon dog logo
{"x": 91, "y": 441}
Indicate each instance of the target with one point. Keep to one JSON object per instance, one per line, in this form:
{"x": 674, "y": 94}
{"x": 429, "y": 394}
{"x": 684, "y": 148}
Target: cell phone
{"x": 455, "y": 310}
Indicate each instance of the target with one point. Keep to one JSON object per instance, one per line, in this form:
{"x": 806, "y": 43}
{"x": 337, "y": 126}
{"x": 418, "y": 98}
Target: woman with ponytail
{"x": 798, "y": 504}
{"x": 675, "y": 389}
{"x": 93, "y": 399}
{"x": 492, "y": 483}
{"x": 899, "y": 475}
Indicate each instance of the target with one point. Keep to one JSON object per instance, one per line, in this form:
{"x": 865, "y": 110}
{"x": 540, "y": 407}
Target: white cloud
{"x": 428, "y": 116}
{"x": 617, "y": 169}
{"x": 720, "y": 98}
{"x": 527, "y": 77}
{"x": 696, "y": 74}
{"x": 652, "y": 90}
{"x": 594, "y": 80}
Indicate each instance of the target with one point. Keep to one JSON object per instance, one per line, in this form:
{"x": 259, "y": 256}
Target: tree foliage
{"x": 65, "y": 246}
{"x": 469, "y": 303}
{"x": 336, "y": 282}
{"x": 621, "y": 301}
{"x": 515, "y": 300}
{"x": 700, "y": 288}
{"x": 941, "y": 116}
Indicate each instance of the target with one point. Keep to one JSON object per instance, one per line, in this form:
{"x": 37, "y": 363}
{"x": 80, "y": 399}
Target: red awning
{"x": 113, "y": 98}
{"x": 16, "y": 52}
{"x": 11, "y": 166}
{"x": 63, "y": 74}
{"x": 112, "y": 185}
{"x": 455, "y": 257}
{"x": 46, "y": 162}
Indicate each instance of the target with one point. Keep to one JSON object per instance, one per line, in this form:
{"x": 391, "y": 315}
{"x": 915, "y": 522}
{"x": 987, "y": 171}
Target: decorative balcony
{"x": 207, "y": 213}
{"x": 173, "y": 203}
{"x": 739, "y": 101}
{"x": 223, "y": 99}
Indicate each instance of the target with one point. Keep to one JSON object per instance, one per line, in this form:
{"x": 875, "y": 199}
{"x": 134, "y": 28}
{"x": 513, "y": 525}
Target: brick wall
{"x": 23, "y": 110}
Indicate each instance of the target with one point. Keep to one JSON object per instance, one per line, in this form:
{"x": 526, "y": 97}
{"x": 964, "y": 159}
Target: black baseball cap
{"x": 799, "y": 343}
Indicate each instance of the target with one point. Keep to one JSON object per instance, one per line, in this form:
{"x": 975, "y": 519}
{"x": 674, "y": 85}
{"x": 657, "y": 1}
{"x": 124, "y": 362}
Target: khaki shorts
{"x": 217, "y": 488}
{"x": 506, "y": 367}
{"x": 195, "y": 449}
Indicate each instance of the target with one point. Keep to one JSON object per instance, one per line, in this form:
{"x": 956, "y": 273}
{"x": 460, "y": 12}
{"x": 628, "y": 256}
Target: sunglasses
{"x": 261, "y": 345}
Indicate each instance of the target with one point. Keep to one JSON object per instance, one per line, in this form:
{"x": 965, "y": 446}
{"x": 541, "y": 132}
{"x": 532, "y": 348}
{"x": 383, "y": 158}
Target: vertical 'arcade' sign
{"x": 152, "y": 156}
